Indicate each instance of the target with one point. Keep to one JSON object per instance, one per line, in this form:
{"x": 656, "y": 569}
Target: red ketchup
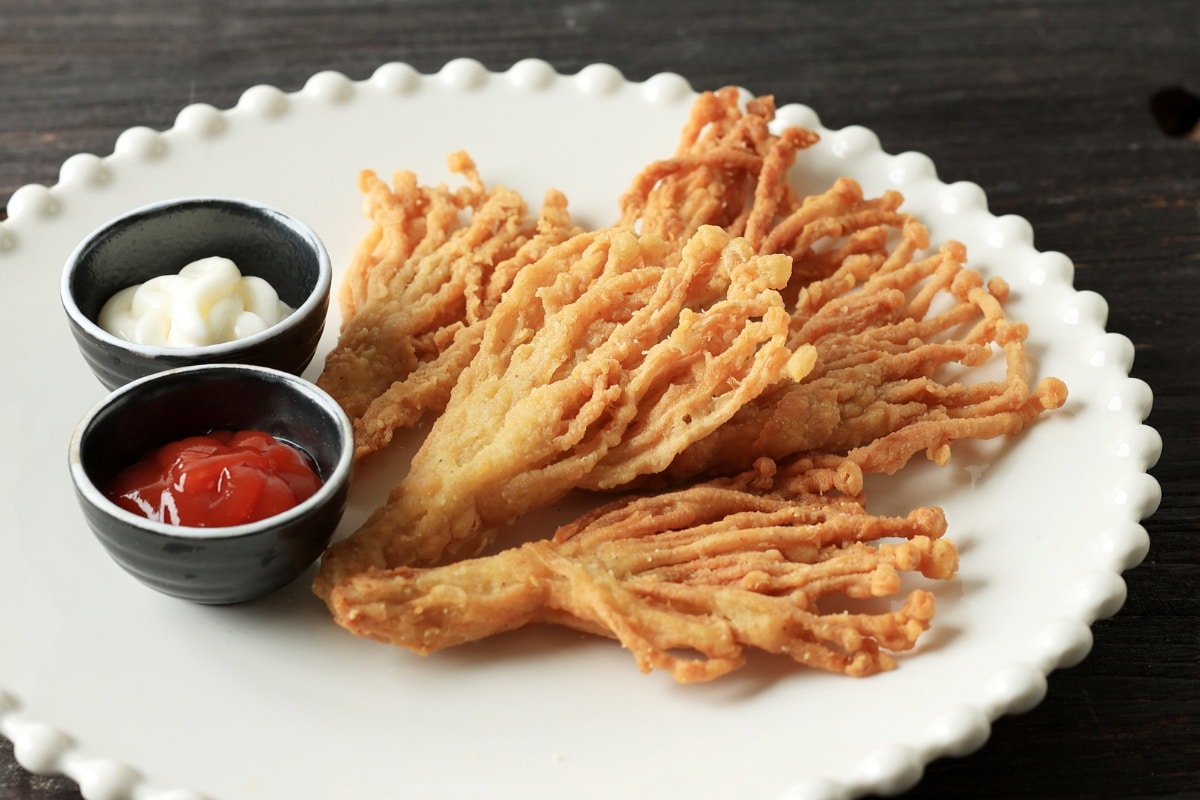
{"x": 222, "y": 479}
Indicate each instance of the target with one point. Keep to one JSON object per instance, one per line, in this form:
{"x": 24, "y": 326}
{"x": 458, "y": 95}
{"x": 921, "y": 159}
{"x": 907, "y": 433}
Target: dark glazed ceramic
{"x": 163, "y": 238}
{"x": 213, "y": 565}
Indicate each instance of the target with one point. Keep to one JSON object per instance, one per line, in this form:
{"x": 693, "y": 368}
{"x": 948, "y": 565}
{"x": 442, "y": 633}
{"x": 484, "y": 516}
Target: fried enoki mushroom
{"x": 418, "y": 288}
{"x": 898, "y": 337}
{"x": 897, "y": 333}
{"x": 687, "y": 581}
{"x": 597, "y": 366}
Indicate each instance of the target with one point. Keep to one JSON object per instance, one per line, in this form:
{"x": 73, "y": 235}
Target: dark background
{"x": 1046, "y": 105}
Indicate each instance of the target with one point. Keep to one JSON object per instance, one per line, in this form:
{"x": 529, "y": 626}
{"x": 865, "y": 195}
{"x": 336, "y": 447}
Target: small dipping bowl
{"x": 213, "y": 565}
{"x": 163, "y": 238}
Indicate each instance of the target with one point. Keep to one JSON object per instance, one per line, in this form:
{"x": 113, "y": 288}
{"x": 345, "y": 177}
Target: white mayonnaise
{"x": 208, "y": 302}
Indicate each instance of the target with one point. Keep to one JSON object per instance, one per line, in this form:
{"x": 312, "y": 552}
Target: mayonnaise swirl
{"x": 208, "y": 302}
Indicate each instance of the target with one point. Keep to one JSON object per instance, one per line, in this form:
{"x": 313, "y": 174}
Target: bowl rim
{"x": 338, "y": 478}
{"x": 317, "y": 298}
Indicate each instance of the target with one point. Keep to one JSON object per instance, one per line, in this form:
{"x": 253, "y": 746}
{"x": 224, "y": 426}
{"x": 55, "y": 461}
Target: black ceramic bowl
{"x": 161, "y": 239}
{"x": 213, "y": 565}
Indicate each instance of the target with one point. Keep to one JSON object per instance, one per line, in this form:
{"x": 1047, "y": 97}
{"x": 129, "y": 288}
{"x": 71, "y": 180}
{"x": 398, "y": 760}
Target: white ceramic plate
{"x": 136, "y": 695}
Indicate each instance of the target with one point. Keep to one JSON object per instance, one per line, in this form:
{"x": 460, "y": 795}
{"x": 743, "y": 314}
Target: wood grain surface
{"x": 1046, "y": 105}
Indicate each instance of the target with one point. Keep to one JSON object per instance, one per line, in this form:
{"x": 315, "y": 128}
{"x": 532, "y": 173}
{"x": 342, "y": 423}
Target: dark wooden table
{"x": 1046, "y": 105}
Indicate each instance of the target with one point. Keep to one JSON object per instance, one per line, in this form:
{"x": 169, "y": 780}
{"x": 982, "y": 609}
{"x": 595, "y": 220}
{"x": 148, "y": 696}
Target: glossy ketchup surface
{"x": 223, "y": 478}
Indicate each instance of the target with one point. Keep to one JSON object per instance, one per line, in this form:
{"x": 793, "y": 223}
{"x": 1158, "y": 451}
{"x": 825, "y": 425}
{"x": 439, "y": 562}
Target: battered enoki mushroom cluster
{"x": 897, "y": 338}
{"x": 419, "y": 287}
{"x": 894, "y": 330}
{"x": 597, "y": 366}
{"x": 687, "y": 581}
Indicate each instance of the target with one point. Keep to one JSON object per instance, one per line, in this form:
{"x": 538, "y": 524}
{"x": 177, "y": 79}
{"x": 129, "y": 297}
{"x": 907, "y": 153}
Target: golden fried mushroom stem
{"x": 713, "y": 570}
{"x": 599, "y": 365}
